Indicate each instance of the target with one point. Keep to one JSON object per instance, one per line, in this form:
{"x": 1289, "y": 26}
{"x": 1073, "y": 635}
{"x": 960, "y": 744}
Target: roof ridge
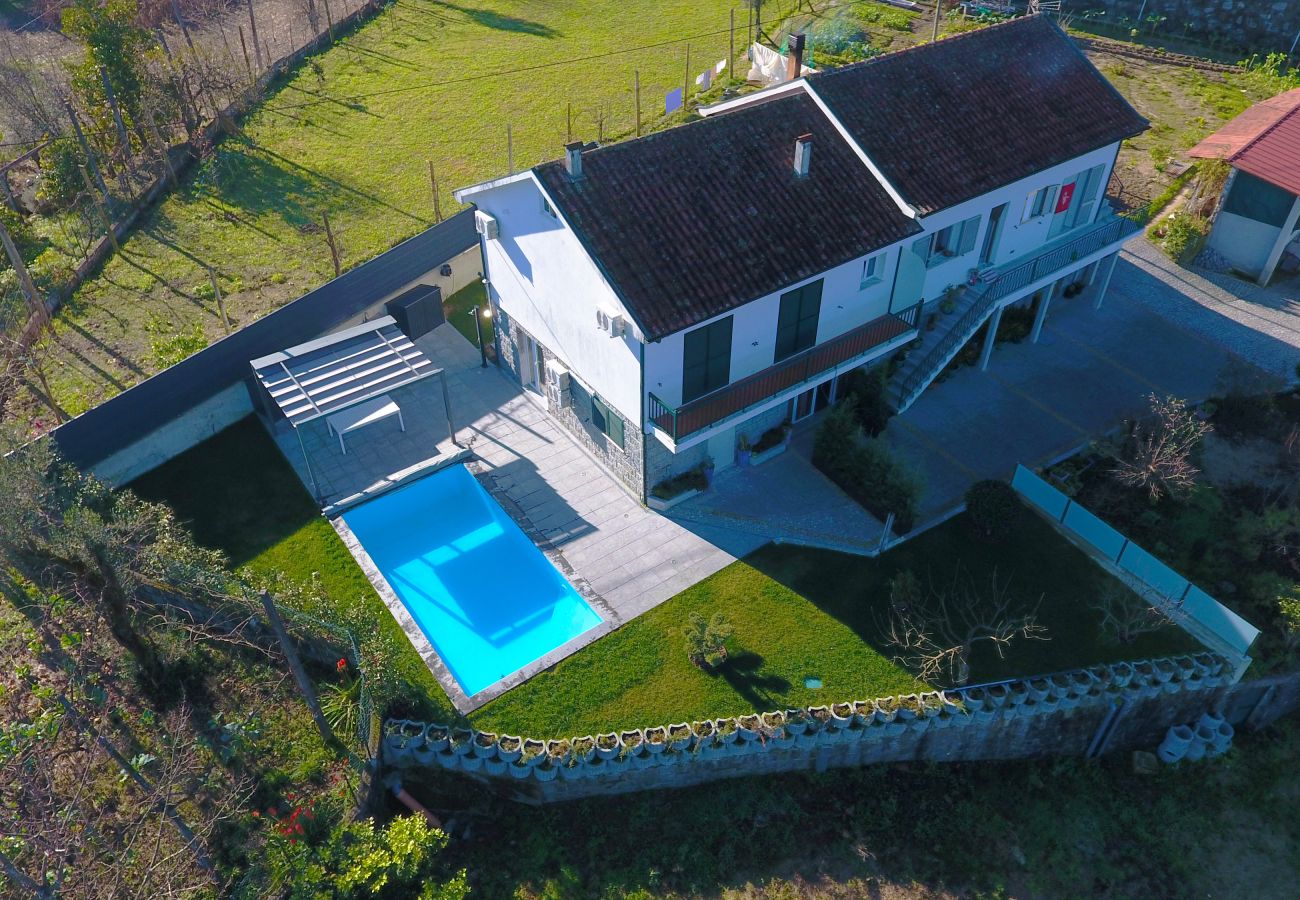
{"x": 922, "y": 48}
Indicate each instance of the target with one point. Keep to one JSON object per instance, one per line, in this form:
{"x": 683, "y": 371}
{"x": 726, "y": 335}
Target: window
{"x": 706, "y": 363}
{"x": 548, "y": 209}
{"x": 948, "y": 243}
{"x": 873, "y": 269}
{"x": 796, "y": 324}
{"x": 1254, "y": 198}
{"x": 1039, "y": 202}
{"x": 607, "y": 422}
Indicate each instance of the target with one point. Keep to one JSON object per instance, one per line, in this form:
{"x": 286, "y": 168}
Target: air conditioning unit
{"x": 558, "y": 375}
{"x": 486, "y": 225}
{"x": 558, "y": 386}
{"x": 610, "y": 323}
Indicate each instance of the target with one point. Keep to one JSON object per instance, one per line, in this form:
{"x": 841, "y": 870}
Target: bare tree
{"x": 936, "y": 628}
{"x": 1126, "y": 615}
{"x": 1157, "y": 455}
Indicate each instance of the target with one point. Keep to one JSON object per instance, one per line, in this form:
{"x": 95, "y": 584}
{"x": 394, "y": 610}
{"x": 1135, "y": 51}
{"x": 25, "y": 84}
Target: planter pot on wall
{"x": 546, "y": 773}
{"x": 510, "y": 748}
{"x": 423, "y": 755}
{"x": 1174, "y": 747}
{"x": 1039, "y": 688}
{"x": 608, "y": 746}
{"x": 748, "y": 726}
{"x": 495, "y": 767}
{"x": 534, "y": 752}
{"x": 485, "y": 745}
{"x": 842, "y": 715}
{"x": 726, "y": 731}
{"x": 998, "y": 695}
{"x": 584, "y": 748}
{"x": 470, "y": 763}
{"x": 437, "y": 736}
{"x": 519, "y": 771}
{"x": 656, "y": 739}
{"x": 1122, "y": 674}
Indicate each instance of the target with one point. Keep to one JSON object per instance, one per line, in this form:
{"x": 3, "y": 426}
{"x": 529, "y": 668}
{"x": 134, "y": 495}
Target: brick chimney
{"x": 573, "y": 159}
{"x": 802, "y": 153}
{"x": 794, "y": 58}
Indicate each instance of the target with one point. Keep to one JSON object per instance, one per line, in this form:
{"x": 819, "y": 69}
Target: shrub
{"x": 991, "y": 506}
{"x": 61, "y": 163}
{"x": 694, "y": 480}
{"x": 771, "y": 438}
{"x": 1180, "y": 235}
{"x": 1288, "y": 607}
{"x": 868, "y": 387}
{"x": 706, "y": 639}
{"x": 867, "y": 472}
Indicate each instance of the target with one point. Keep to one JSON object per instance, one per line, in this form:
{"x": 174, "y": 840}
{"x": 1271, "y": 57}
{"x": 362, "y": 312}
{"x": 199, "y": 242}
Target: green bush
{"x": 867, "y": 472}
{"x": 991, "y": 506}
{"x": 694, "y": 480}
{"x": 1180, "y": 235}
{"x": 868, "y": 389}
{"x": 61, "y": 163}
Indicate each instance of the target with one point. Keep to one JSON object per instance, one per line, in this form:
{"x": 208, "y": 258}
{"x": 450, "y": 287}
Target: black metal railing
{"x": 1007, "y": 281}
{"x": 687, "y": 419}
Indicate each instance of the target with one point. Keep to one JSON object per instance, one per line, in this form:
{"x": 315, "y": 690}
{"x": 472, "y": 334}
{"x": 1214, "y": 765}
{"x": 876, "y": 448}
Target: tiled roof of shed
{"x": 948, "y": 121}
{"x": 694, "y": 221}
{"x": 1264, "y": 141}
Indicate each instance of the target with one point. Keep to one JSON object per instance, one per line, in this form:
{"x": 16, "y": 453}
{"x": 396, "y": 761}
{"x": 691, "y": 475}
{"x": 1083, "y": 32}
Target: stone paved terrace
{"x": 634, "y": 559}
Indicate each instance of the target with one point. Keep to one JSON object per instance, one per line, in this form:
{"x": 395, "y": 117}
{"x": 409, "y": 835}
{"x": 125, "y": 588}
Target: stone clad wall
{"x": 1258, "y": 25}
{"x": 1081, "y": 713}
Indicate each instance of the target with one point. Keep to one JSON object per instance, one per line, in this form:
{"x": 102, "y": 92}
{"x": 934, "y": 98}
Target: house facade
{"x": 671, "y": 296}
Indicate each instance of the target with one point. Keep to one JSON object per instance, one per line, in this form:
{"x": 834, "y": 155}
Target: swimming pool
{"x": 485, "y": 596}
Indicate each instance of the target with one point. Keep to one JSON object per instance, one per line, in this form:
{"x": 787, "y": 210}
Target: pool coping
{"x": 467, "y": 703}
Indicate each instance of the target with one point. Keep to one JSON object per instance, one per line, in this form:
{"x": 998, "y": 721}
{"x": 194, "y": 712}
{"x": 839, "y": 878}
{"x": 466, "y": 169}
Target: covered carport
{"x": 359, "y": 404}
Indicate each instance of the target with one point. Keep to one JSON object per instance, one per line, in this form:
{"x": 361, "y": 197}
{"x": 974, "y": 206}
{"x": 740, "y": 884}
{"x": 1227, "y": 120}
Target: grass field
{"x": 352, "y": 135}
{"x": 797, "y": 613}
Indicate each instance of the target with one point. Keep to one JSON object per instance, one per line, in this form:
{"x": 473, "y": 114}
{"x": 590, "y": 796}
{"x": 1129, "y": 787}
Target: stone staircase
{"x": 997, "y": 287}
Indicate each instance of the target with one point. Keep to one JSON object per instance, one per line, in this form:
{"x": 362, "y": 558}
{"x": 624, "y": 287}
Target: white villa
{"x": 667, "y": 296}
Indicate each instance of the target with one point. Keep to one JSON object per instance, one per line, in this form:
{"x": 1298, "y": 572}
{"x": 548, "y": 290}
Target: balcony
{"x": 801, "y": 369}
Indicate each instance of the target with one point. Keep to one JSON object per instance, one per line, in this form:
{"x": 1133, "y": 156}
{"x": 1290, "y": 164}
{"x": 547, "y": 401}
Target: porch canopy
{"x": 327, "y": 377}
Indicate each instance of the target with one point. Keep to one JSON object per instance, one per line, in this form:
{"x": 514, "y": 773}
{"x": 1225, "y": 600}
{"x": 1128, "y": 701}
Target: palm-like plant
{"x": 706, "y": 639}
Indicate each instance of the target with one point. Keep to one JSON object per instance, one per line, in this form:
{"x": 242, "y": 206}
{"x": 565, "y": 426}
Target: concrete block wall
{"x": 1085, "y": 712}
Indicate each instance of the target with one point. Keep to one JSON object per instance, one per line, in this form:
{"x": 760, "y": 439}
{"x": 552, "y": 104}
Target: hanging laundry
{"x": 673, "y": 100}
{"x": 704, "y": 79}
{"x": 769, "y": 66}
{"x": 722, "y": 64}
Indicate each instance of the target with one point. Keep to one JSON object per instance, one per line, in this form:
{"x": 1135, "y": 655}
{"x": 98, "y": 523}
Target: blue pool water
{"x": 487, "y": 599}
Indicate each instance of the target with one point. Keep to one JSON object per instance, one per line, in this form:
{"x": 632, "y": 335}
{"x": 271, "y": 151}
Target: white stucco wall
{"x": 1017, "y": 238}
{"x": 546, "y": 282}
{"x": 845, "y": 306}
{"x": 1243, "y": 242}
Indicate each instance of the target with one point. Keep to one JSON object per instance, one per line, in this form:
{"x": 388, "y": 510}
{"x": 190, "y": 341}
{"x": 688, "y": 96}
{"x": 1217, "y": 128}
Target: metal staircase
{"x": 977, "y": 304}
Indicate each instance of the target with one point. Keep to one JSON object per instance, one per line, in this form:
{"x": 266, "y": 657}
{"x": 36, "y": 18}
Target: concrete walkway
{"x": 1161, "y": 329}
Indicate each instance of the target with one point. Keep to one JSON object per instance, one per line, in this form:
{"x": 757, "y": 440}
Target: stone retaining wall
{"x": 1247, "y": 25}
{"x": 1084, "y": 712}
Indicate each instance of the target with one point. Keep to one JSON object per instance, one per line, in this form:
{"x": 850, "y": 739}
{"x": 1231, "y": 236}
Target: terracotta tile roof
{"x": 695, "y": 221}
{"x": 1264, "y": 141}
{"x": 948, "y": 121}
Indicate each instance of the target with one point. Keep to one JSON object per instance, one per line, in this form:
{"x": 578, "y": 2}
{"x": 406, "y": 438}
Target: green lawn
{"x": 353, "y": 136}
{"x": 797, "y": 613}
{"x": 457, "y": 310}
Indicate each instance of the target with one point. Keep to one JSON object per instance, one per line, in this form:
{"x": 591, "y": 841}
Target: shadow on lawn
{"x": 742, "y": 672}
{"x": 500, "y": 22}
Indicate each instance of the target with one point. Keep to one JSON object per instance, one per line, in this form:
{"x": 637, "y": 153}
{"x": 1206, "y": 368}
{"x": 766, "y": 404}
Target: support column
{"x": 1283, "y": 239}
{"x": 989, "y": 337}
{"x": 1037, "y": 331}
{"x": 1105, "y": 279}
{"x": 1092, "y": 272}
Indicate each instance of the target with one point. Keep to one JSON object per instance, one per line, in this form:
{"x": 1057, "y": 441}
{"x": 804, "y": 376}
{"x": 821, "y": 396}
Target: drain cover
{"x": 813, "y": 684}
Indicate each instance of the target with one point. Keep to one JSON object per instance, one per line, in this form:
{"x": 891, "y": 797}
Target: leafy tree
{"x": 61, "y": 172}
{"x": 68, "y": 532}
{"x": 310, "y": 857}
{"x": 113, "y": 40}
{"x": 991, "y": 506}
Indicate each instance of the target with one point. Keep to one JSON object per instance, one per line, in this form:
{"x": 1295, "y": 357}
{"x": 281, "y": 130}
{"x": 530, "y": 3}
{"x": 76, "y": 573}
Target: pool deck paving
{"x": 627, "y": 558}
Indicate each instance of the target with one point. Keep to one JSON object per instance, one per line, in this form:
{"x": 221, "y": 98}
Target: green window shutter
{"x": 599, "y": 415}
{"x": 615, "y": 428}
{"x": 969, "y": 230}
{"x": 796, "y": 323}
{"x": 706, "y": 363}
